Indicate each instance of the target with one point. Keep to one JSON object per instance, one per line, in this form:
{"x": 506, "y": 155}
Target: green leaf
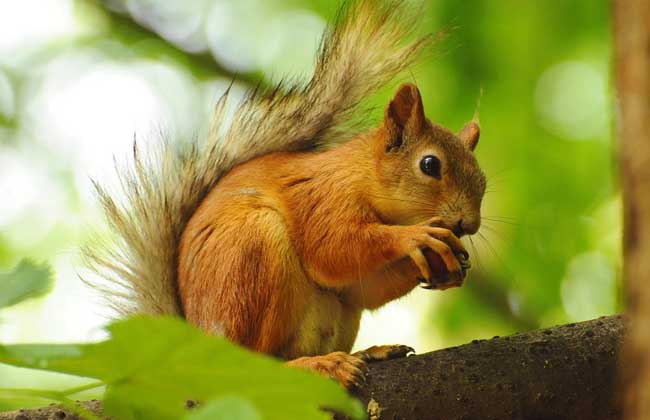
{"x": 226, "y": 408}
{"x": 153, "y": 366}
{"x": 16, "y": 402}
{"x": 27, "y": 280}
{"x": 40, "y": 356}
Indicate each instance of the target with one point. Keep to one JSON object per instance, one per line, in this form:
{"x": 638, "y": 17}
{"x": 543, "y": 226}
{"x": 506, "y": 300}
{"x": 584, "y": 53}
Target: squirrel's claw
{"x": 425, "y": 284}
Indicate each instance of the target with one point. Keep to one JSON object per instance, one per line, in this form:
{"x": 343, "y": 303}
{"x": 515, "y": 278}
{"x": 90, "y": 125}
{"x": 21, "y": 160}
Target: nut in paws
{"x": 441, "y": 277}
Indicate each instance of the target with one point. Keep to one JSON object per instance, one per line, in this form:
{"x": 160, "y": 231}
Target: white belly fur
{"x": 327, "y": 325}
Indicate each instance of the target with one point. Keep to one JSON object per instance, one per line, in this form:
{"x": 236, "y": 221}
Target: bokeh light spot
{"x": 180, "y": 22}
{"x": 28, "y": 23}
{"x": 589, "y": 287}
{"x": 571, "y": 101}
{"x": 235, "y": 33}
{"x": 292, "y": 44}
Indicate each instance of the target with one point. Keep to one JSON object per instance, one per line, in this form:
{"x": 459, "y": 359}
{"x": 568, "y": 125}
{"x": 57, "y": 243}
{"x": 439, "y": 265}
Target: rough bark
{"x": 51, "y": 412}
{"x": 566, "y": 372}
{"x": 632, "y": 41}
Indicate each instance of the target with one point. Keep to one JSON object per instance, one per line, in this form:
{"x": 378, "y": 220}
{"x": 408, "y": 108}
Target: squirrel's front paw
{"x": 441, "y": 278}
{"x": 439, "y": 255}
{"x": 349, "y": 370}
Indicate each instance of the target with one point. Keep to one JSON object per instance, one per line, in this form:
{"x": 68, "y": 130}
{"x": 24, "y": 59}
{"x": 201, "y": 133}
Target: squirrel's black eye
{"x": 430, "y": 165}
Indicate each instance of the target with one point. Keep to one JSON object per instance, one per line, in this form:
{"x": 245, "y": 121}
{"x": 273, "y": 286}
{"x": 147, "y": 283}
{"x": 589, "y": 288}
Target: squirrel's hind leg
{"x": 237, "y": 271}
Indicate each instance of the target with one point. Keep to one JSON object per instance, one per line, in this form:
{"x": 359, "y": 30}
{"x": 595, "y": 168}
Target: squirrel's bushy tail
{"x": 165, "y": 182}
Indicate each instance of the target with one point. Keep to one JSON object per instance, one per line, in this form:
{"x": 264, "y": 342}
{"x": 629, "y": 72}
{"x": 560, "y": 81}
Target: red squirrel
{"x": 278, "y": 230}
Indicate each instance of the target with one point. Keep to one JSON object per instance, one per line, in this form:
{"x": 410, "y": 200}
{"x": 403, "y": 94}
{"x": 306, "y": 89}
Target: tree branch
{"x": 128, "y": 31}
{"x": 565, "y": 372}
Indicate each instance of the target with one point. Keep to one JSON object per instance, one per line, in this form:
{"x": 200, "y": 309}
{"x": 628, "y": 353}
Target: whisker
{"x": 498, "y": 176}
{"x": 493, "y": 250}
{"x": 456, "y": 200}
{"x": 500, "y": 221}
{"x": 498, "y": 216}
{"x": 512, "y": 221}
{"x": 363, "y": 295}
{"x": 496, "y": 232}
{"x": 476, "y": 254}
{"x": 501, "y": 217}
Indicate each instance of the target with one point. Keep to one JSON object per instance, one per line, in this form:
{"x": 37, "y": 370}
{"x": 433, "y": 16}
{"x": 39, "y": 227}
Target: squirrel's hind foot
{"x": 385, "y": 352}
{"x": 348, "y": 369}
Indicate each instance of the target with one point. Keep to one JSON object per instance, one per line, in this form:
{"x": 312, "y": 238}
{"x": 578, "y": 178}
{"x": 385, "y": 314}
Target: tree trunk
{"x": 566, "y": 372}
{"x": 632, "y": 35}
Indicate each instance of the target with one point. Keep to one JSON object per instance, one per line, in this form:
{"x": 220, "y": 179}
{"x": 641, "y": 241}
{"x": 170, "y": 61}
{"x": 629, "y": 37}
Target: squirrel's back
{"x": 165, "y": 182}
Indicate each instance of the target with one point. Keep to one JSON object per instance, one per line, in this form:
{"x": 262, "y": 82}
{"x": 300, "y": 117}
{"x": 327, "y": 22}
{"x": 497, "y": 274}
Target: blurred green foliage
{"x": 151, "y": 376}
{"x": 27, "y": 280}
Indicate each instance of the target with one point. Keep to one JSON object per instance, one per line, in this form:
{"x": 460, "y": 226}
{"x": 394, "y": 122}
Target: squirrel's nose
{"x": 458, "y": 228}
{"x": 465, "y": 227}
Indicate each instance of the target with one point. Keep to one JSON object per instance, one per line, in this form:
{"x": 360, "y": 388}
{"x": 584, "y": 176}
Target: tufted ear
{"x": 469, "y": 135}
{"x": 404, "y": 113}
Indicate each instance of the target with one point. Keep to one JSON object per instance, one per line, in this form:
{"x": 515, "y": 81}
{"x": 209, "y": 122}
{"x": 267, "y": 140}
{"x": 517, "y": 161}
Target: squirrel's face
{"x": 425, "y": 170}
